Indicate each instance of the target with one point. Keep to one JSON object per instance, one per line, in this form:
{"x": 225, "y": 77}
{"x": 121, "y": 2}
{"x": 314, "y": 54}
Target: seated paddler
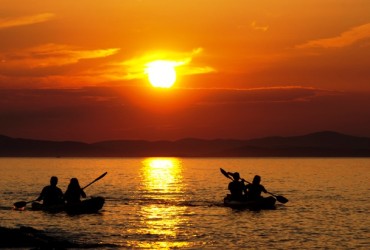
{"x": 51, "y": 195}
{"x": 254, "y": 189}
{"x": 236, "y": 187}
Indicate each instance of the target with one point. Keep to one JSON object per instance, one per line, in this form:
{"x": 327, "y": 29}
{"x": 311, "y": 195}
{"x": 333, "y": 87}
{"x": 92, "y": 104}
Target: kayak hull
{"x": 92, "y": 205}
{"x": 89, "y": 206}
{"x": 263, "y": 203}
{"x": 36, "y": 206}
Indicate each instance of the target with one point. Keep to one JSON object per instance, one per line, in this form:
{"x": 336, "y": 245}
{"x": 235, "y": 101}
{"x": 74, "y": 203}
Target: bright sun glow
{"x": 161, "y": 73}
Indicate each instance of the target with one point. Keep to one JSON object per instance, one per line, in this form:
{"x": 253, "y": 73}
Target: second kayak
{"x": 263, "y": 203}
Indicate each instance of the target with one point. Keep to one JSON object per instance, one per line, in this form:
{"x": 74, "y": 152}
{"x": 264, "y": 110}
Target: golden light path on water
{"x": 162, "y": 181}
{"x": 162, "y": 175}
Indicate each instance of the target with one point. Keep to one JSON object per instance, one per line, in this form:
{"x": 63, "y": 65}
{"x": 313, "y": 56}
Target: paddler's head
{"x": 74, "y": 182}
{"x": 236, "y": 176}
{"x": 257, "y": 179}
{"x": 53, "y": 181}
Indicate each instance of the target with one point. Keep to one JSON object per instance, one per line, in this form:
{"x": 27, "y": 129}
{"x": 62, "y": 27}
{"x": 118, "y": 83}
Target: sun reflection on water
{"x": 162, "y": 176}
{"x": 161, "y": 218}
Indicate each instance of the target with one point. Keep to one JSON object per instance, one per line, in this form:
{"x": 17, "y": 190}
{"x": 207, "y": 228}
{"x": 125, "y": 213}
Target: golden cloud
{"x": 135, "y": 68}
{"x": 346, "y": 38}
{"x": 48, "y": 55}
{"x": 49, "y": 64}
{"x": 259, "y": 27}
{"x": 25, "y": 20}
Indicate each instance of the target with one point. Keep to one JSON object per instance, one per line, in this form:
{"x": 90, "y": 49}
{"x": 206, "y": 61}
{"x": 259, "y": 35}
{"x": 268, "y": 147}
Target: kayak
{"x": 37, "y": 206}
{"x": 88, "y": 206}
{"x": 263, "y": 203}
{"x": 92, "y": 205}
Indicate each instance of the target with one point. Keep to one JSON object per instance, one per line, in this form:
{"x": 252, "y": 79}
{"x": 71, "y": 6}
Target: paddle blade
{"x": 281, "y": 199}
{"x": 225, "y": 173}
{"x": 20, "y": 204}
{"x": 95, "y": 180}
{"x": 101, "y": 176}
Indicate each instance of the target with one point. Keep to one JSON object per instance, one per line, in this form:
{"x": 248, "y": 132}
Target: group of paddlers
{"x": 52, "y": 195}
{"x": 240, "y": 191}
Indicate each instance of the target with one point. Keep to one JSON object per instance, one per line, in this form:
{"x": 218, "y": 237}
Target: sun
{"x": 161, "y": 74}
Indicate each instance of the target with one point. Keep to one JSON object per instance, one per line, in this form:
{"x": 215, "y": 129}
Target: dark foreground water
{"x": 177, "y": 202}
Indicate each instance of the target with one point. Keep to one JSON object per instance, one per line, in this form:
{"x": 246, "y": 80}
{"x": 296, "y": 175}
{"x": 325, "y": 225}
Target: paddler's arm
{"x": 83, "y": 194}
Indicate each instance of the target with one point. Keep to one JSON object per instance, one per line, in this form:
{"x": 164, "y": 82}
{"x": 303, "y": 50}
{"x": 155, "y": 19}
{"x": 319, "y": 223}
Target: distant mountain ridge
{"x": 320, "y": 144}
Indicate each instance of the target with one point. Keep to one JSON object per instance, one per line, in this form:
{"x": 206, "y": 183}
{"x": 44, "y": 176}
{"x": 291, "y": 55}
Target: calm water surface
{"x": 177, "y": 202}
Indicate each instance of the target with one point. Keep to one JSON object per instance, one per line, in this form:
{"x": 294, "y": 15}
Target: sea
{"x": 167, "y": 203}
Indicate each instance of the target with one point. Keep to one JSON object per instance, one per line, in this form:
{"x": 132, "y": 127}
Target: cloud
{"x": 25, "y": 20}
{"x": 345, "y": 39}
{"x": 47, "y": 59}
{"x": 278, "y": 94}
{"x": 51, "y": 65}
{"x": 259, "y": 27}
{"x": 101, "y": 113}
{"x": 48, "y": 55}
{"x": 135, "y": 68}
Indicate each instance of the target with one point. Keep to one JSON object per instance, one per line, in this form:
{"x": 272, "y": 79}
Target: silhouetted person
{"x": 51, "y": 195}
{"x": 74, "y": 192}
{"x": 255, "y": 189}
{"x": 236, "y": 187}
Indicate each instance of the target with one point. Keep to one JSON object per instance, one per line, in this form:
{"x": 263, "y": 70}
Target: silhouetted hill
{"x": 321, "y": 144}
{"x": 326, "y": 143}
{"x": 18, "y": 147}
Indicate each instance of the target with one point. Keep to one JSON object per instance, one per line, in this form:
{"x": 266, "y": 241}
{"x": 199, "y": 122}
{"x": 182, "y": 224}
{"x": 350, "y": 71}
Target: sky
{"x": 76, "y": 70}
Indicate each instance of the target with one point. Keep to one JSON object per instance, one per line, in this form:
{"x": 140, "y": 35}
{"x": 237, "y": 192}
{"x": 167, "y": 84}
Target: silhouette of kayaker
{"x": 236, "y": 187}
{"x": 254, "y": 189}
{"x": 74, "y": 192}
{"x": 51, "y": 195}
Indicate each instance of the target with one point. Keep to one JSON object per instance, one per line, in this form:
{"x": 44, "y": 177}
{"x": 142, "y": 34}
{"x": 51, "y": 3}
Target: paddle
{"x": 226, "y": 174}
{"x": 95, "y": 180}
{"x": 279, "y": 198}
{"x": 21, "y": 204}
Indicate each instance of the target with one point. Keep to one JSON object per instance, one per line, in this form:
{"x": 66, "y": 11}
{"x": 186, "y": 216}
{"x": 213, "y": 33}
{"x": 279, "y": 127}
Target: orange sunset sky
{"x": 77, "y": 70}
